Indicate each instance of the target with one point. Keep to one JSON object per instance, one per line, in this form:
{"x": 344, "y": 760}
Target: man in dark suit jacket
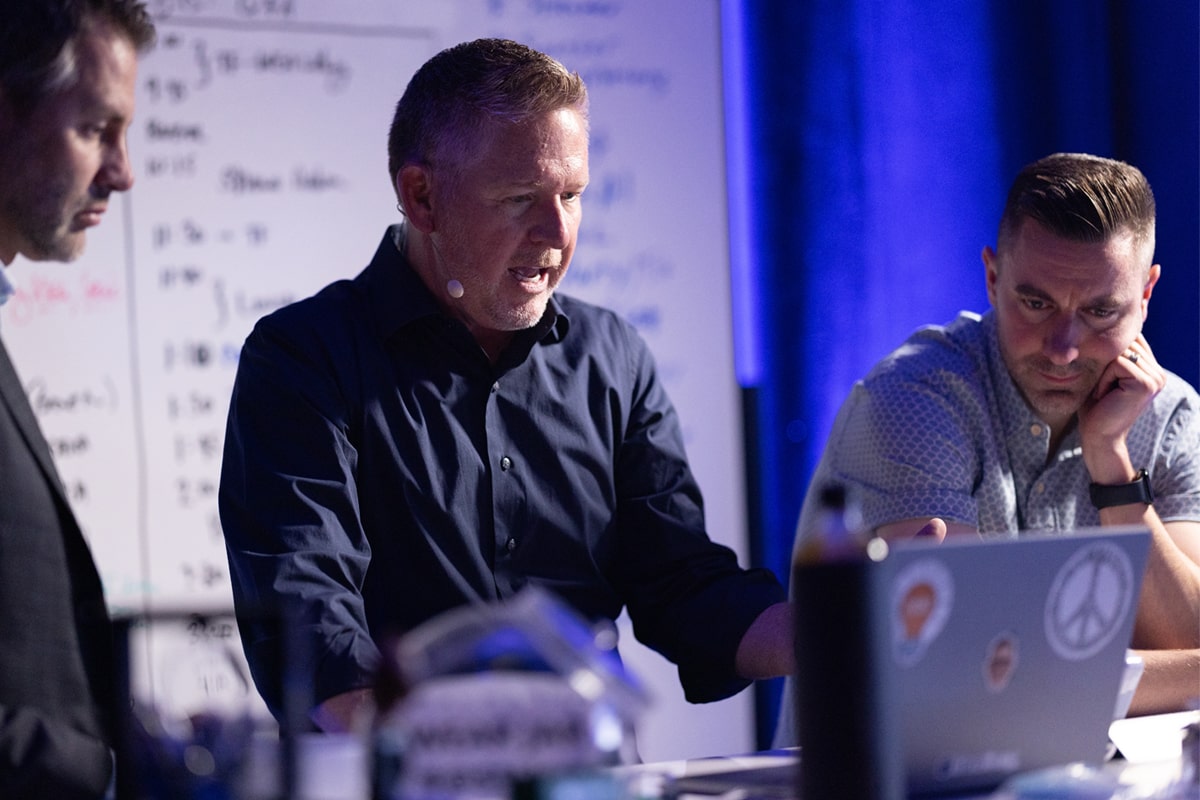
{"x": 67, "y": 77}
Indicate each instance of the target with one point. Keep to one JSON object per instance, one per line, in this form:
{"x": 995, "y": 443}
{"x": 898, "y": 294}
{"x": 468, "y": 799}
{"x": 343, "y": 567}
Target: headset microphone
{"x": 454, "y": 288}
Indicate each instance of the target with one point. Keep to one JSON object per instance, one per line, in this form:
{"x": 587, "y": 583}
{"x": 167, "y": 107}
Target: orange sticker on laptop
{"x": 922, "y": 598}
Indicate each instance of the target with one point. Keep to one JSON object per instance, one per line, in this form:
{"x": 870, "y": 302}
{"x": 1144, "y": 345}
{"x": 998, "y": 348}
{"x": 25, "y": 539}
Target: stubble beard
{"x": 1046, "y": 400}
{"x": 45, "y": 225}
{"x": 494, "y": 301}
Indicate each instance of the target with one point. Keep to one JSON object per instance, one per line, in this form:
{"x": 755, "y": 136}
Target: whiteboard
{"x": 260, "y": 153}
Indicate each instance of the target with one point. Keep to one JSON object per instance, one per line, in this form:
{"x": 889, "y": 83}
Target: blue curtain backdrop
{"x": 882, "y": 137}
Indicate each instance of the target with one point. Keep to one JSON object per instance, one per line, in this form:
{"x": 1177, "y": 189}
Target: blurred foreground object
{"x": 484, "y": 697}
{"x": 193, "y": 725}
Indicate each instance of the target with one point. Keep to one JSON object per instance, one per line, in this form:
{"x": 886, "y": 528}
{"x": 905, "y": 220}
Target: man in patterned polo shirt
{"x": 1049, "y": 412}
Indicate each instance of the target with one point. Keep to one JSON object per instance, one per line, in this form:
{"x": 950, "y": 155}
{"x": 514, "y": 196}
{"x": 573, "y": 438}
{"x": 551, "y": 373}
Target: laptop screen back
{"x": 1007, "y": 655}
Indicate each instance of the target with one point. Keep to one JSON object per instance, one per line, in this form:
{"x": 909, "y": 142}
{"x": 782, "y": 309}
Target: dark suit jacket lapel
{"x": 13, "y": 397}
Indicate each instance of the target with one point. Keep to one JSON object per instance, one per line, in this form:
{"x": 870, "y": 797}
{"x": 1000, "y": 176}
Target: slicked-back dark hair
{"x": 37, "y": 37}
{"x": 1080, "y": 197}
{"x": 462, "y": 89}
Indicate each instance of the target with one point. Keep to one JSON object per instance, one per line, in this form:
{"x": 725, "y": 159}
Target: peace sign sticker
{"x": 1089, "y": 599}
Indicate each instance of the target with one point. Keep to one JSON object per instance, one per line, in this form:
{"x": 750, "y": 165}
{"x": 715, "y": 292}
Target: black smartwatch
{"x": 1104, "y": 496}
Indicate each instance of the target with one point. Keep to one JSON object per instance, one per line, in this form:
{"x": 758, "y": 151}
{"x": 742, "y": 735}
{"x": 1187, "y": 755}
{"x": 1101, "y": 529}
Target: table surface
{"x": 1151, "y": 760}
{"x": 336, "y": 767}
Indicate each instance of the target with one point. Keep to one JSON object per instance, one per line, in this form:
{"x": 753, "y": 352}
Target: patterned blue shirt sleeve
{"x": 906, "y": 437}
{"x": 1167, "y": 441}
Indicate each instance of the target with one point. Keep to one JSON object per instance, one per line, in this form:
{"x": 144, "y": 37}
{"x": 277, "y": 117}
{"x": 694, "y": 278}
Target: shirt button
{"x": 1040, "y": 488}
{"x": 506, "y": 463}
{"x": 510, "y": 545}
{"x": 1035, "y": 430}
{"x": 495, "y": 387}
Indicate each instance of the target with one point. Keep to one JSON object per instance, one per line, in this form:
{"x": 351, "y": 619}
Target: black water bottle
{"x": 848, "y": 746}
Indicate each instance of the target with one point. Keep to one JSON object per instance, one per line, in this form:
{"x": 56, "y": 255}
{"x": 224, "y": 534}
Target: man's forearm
{"x": 1170, "y": 682}
{"x": 344, "y": 713}
{"x": 766, "y": 648}
{"x": 1169, "y": 606}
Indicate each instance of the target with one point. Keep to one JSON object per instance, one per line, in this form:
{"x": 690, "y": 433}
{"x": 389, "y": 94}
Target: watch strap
{"x": 1137, "y": 491}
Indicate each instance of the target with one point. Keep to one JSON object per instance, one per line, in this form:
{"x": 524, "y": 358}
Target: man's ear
{"x": 1148, "y": 288}
{"x": 414, "y": 189}
{"x": 991, "y": 265}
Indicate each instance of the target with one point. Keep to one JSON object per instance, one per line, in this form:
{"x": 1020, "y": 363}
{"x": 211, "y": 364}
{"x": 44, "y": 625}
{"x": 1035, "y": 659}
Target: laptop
{"x": 994, "y": 657}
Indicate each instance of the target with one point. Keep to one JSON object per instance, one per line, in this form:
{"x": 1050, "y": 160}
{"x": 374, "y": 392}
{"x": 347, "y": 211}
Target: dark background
{"x": 883, "y": 137}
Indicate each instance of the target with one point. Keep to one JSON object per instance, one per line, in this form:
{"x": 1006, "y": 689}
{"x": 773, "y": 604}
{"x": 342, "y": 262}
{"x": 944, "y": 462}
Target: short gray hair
{"x": 457, "y": 93}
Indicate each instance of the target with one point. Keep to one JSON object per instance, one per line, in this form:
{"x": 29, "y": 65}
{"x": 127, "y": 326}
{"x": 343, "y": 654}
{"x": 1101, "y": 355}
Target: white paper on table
{"x": 1157, "y": 737}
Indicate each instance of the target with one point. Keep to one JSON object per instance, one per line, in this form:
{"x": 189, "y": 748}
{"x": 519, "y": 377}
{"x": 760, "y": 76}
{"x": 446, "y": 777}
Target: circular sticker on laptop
{"x": 1089, "y": 599}
{"x": 922, "y": 596}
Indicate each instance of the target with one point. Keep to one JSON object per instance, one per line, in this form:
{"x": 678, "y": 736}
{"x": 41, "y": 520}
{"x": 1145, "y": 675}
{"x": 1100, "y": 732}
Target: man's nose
{"x": 552, "y": 227}
{"x": 1061, "y": 344}
{"x": 116, "y": 172}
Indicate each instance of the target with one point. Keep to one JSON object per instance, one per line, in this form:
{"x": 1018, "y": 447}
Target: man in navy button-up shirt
{"x": 443, "y": 429}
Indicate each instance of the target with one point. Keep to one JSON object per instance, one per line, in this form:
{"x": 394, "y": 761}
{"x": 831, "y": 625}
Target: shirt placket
{"x": 507, "y": 471}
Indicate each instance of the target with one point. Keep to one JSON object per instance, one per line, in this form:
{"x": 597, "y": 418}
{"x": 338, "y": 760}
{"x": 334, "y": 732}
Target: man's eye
{"x": 1102, "y": 313}
{"x": 1034, "y": 304}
